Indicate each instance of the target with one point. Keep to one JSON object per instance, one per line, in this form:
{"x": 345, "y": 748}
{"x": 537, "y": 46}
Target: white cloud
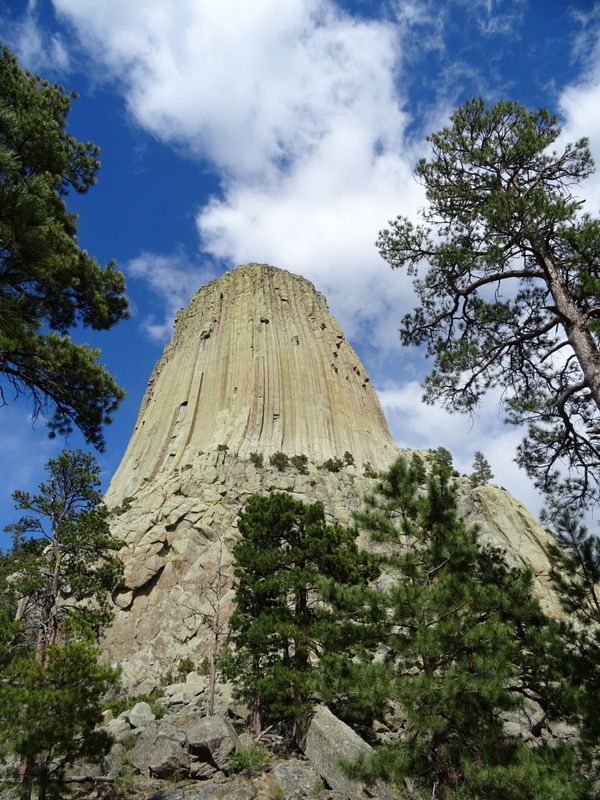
{"x": 416, "y": 425}
{"x": 245, "y": 85}
{"x": 35, "y": 49}
{"x": 579, "y": 103}
{"x": 297, "y": 107}
{"x": 321, "y": 221}
{"x": 173, "y": 279}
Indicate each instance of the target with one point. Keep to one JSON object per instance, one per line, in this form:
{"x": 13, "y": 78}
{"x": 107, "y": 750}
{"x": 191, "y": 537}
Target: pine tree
{"x": 48, "y": 284}
{"x": 50, "y": 713}
{"x": 287, "y": 561}
{"x": 482, "y": 472}
{"x": 55, "y": 584}
{"x": 575, "y": 576}
{"x": 511, "y": 279}
{"x": 467, "y": 643}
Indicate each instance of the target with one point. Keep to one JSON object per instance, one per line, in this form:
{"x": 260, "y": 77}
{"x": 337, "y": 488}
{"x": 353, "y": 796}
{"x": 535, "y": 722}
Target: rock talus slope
{"x": 257, "y": 364}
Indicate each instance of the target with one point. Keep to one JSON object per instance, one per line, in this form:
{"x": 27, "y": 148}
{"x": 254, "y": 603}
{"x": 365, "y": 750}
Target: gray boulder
{"x": 326, "y": 742}
{"x": 211, "y": 740}
{"x": 140, "y": 715}
{"x": 207, "y": 791}
{"x": 296, "y": 778}
{"x": 160, "y": 752}
{"x": 117, "y": 727}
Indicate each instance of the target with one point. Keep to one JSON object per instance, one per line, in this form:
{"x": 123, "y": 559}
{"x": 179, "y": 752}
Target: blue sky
{"x": 284, "y": 132}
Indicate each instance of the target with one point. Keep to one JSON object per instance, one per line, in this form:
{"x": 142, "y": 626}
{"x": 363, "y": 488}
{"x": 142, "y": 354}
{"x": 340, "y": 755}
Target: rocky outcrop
{"x": 178, "y": 535}
{"x": 257, "y": 365}
{"x": 208, "y": 753}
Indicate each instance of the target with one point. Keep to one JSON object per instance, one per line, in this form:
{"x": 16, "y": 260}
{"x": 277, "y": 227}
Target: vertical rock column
{"x": 256, "y": 363}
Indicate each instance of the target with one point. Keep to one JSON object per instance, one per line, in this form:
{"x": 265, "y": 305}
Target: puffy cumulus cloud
{"x": 296, "y": 106}
{"x": 579, "y": 103}
{"x": 172, "y": 279}
{"x": 248, "y": 86}
{"x": 321, "y": 220}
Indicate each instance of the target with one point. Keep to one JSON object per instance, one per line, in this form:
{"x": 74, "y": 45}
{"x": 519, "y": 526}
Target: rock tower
{"x": 257, "y": 365}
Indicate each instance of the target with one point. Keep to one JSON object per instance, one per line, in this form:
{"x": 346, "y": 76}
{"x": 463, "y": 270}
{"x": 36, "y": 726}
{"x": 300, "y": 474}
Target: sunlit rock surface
{"x": 257, "y": 364}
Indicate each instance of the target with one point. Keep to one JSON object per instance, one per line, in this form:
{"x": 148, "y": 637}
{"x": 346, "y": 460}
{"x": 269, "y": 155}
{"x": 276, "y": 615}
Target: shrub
{"x": 369, "y": 471}
{"x": 249, "y": 760}
{"x": 279, "y": 460}
{"x": 301, "y": 463}
{"x": 333, "y": 464}
{"x": 257, "y": 459}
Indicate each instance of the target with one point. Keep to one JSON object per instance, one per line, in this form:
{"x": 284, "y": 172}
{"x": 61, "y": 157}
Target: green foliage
{"x": 300, "y": 463}
{"x": 49, "y": 712}
{"x": 443, "y": 456}
{"x": 369, "y": 471}
{"x": 276, "y": 792}
{"x": 66, "y": 571}
{"x": 184, "y": 667}
{"x": 576, "y": 577}
{"x": 279, "y": 460}
{"x": 512, "y": 278}
{"x": 55, "y": 585}
{"x": 257, "y": 459}
{"x": 465, "y": 642}
{"x": 288, "y": 560}
{"x": 348, "y": 459}
{"x": 222, "y": 448}
{"x": 250, "y": 760}
{"x": 333, "y": 464}
{"x": 48, "y": 284}
{"x": 482, "y": 472}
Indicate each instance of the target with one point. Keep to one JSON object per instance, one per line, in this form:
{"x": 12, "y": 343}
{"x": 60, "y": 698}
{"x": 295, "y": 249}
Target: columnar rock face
{"x": 257, "y": 364}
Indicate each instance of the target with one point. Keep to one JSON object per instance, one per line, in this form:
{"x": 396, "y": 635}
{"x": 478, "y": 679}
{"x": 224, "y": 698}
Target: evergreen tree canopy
{"x": 63, "y": 551}
{"x": 287, "y": 561}
{"x": 48, "y": 284}
{"x": 50, "y": 714}
{"x": 482, "y": 472}
{"x": 509, "y": 298}
{"x": 467, "y": 643}
{"x": 53, "y": 607}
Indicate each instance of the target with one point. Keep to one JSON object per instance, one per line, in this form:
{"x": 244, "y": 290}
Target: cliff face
{"x": 257, "y": 364}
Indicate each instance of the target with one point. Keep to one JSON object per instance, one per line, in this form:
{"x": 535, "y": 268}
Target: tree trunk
{"x": 576, "y": 327}
{"x": 255, "y": 715}
{"x": 212, "y": 677}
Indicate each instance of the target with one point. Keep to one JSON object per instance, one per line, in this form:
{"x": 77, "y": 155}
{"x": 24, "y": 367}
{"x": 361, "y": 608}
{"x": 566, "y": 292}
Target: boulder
{"x": 140, "y": 715}
{"x": 117, "y": 727}
{"x": 161, "y": 752}
{"x": 207, "y": 791}
{"x": 211, "y": 740}
{"x": 297, "y": 778}
{"x": 327, "y": 742}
